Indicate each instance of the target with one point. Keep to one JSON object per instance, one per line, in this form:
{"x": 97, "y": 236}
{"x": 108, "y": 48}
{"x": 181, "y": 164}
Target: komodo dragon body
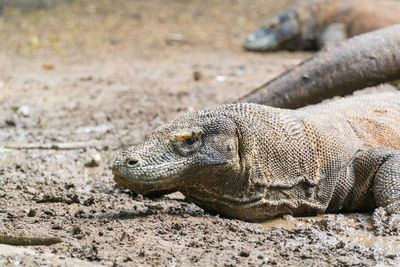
{"x": 313, "y": 24}
{"x": 364, "y": 60}
{"x": 254, "y": 162}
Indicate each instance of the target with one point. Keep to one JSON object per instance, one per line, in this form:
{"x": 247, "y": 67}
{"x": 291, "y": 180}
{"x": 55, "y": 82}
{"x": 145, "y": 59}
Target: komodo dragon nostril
{"x": 133, "y": 162}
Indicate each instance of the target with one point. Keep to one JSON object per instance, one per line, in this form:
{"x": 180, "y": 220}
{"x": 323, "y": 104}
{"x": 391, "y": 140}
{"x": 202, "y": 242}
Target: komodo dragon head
{"x": 278, "y": 33}
{"x": 193, "y": 151}
{"x": 220, "y": 159}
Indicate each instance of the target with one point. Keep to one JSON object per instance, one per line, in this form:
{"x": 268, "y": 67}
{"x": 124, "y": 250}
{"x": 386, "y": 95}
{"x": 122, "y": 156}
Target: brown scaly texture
{"x": 308, "y": 25}
{"x": 365, "y": 60}
{"x": 253, "y": 162}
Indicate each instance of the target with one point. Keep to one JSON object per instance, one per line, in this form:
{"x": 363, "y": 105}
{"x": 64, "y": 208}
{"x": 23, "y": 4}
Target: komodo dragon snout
{"x": 279, "y": 32}
{"x": 190, "y": 152}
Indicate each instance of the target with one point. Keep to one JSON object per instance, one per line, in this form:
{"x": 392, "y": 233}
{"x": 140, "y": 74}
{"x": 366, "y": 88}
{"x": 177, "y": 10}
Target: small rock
{"x": 197, "y": 76}
{"x": 176, "y": 38}
{"x": 76, "y": 230}
{"x": 12, "y": 215}
{"x": 221, "y": 78}
{"x": 32, "y": 213}
{"x": 24, "y": 111}
{"x": 48, "y": 67}
{"x": 48, "y": 212}
{"x": 57, "y": 226}
{"x": 94, "y": 161}
{"x": 244, "y": 253}
{"x": 31, "y": 190}
{"x": 10, "y": 123}
{"x": 69, "y": 186}
{"x": 141, "y": 252}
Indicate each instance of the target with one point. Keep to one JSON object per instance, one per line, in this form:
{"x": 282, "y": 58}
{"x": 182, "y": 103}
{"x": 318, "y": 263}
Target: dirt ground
{"x": 81, "y": 81}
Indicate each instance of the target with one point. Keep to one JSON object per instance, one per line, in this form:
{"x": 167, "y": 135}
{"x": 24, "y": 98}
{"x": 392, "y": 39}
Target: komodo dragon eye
{"x": 190, "y": 141}
{"x": 187, "y": 144}
{"x": 272, "y": 24}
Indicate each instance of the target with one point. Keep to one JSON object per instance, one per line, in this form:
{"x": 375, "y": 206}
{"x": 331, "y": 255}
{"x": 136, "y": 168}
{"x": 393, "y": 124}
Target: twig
{"x": 28, "y": 240}
{"x": 55, "y": 146}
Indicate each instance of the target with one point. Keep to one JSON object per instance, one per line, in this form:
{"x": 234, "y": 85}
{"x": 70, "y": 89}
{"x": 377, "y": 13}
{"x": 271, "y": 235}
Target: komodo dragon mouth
{"x": 140, "y": 178}
{"x": 167, "y": 176}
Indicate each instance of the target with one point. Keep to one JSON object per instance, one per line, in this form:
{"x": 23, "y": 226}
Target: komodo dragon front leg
{"x": 387, "y": 192}
{"x": 376, "y": 172}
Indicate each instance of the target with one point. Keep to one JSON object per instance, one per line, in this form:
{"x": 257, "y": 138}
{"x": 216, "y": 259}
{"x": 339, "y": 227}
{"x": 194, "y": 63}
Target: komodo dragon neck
{"x": 285, "y": 166}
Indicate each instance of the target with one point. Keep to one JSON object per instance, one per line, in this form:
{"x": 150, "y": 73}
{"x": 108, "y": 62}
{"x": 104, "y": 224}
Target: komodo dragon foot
{"x": 386, "y": 221}
{"x": 386, "y": 189}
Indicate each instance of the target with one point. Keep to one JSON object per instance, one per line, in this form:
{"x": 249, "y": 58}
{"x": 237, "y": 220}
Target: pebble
{"x": 48, "y": 67}
{"x": 244, "y": 253}
{"x": 95, "y": 161}
{"x": 24, "y": 111}
{"x": 175, "y": 38}
{"x": 221, "y": 78}
{"x": 31, "y": 190}
{"x": 197, "y": 76}
{"x": 10, "y": 123}
{"x": 31, "y": 213}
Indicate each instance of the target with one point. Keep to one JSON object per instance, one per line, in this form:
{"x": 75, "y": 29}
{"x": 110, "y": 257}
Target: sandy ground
{"x": 80, "y": 82}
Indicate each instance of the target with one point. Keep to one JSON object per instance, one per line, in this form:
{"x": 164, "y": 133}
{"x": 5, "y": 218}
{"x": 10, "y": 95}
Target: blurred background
{"x": 71, "y": 27}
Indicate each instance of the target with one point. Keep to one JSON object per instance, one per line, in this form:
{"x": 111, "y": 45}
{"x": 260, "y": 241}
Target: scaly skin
{"x": 254, "y": 162}
{"x": 365, "y": 60}
{"x": 304, "y": 26}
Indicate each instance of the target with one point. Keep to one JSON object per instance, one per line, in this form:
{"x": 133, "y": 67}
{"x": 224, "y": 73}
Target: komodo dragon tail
{"x": 364, "y": 60}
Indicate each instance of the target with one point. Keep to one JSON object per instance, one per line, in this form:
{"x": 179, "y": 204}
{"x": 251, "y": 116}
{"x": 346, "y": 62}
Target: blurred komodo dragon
{"x": 313, "y": 24}
{"x": 364, "y": 60}
{"x": 254, "y": 162}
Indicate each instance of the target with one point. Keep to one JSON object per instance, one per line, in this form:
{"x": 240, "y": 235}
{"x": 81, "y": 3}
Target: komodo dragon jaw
{"x": 277, "y": 33}
{"x": 194, "y": 150}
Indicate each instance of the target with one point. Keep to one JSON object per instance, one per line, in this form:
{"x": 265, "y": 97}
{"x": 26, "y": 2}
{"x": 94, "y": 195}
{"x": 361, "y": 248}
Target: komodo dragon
{"x": 365, "y": 60}
{"x": 313, "y": 24}
{"x": 254, "y": 162}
